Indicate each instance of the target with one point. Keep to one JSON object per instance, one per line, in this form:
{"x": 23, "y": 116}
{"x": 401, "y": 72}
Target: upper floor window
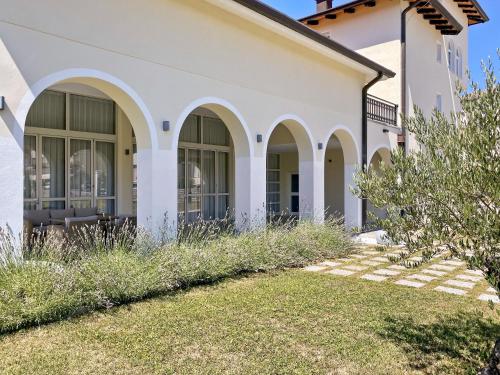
{"x": 458, "y": 62}
{"x": 439, "y": 102}
{"x": 451, "y": 56}
{"x": 439, "y": 52}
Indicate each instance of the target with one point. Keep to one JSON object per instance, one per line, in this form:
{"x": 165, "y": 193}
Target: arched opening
{"x": 379, "y": 157}
{"x": 341, "y": 160}
{"x": 84, "y": 145}
{"x": 289, "y": 171}
{"x": 213, "y": 163}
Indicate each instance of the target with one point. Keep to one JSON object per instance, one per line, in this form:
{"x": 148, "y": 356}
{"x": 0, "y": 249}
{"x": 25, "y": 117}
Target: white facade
{"x": 161, "y": 60}
{"x": 375, "y": 32}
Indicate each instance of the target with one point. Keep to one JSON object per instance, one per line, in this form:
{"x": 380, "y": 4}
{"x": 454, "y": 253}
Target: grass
{"x": 54, "y": 281}
{"x": 281, "y": 323}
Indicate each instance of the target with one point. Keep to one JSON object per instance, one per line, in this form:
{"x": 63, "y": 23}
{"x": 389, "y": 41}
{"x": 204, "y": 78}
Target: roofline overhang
{"x": 356, "y": 3}
{"x": 298, "y": 32}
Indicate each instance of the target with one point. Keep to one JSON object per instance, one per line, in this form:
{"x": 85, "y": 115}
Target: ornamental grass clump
{"x": 60, "y": 278}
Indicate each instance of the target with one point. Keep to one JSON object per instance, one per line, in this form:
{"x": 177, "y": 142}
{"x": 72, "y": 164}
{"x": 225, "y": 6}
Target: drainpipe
{"x": 404, "y": 108}
{"x": 364, "y": 138}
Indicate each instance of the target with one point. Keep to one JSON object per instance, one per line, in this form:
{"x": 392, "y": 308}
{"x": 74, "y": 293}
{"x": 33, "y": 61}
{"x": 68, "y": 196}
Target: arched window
{"x": 451, "y": 55}
{"x": 458, "y": 63}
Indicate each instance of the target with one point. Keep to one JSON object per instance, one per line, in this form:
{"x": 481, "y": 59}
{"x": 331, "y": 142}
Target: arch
{"x": 304, "y": 164}
{"x": 242, "y": 148}
{"x": 385, "y": 154}
{"x": 339, "y": 173}
{"x": 348, "y": 142}
{"x": 128, "y": 100}
{"x": 299, "y": 130}
{"x": 228, "y": 113}
{"x": 131, "y": 105}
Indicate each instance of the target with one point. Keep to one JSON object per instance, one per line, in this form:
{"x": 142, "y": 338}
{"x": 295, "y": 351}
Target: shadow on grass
{"x": 464, "y": 339}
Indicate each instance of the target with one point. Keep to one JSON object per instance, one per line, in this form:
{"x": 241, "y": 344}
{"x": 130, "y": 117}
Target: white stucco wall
{"x": 375, "y": 33}
{"x": 161, "y": 59}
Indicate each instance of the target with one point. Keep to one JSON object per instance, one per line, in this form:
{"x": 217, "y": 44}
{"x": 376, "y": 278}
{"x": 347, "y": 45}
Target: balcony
{"x": 381, "y": 110}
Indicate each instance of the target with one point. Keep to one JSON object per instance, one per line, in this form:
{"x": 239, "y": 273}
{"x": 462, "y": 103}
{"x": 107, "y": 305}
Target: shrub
{"x": 54, "y": 280}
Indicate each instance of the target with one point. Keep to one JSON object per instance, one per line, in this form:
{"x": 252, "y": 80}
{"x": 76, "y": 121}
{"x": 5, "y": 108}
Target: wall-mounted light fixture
{"x": 259, "y": 138}
{"x": 127, "y": 151}
{"x": 166, "y": 126}
{"x": 385, "y": 131}
{"x": 320, "y": 146}
{"x": 2, "y": 103}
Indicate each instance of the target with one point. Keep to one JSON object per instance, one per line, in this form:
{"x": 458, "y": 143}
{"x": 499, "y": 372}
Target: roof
{"x": 300, "y": 28}
{"x": 471, "y": 8}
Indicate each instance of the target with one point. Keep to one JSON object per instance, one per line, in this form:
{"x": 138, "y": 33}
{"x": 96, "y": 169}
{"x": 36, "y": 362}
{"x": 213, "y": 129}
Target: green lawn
{"x": 287, "y": 322}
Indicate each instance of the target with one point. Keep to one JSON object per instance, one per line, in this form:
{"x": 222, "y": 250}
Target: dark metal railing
{"x": 382, "y": 111}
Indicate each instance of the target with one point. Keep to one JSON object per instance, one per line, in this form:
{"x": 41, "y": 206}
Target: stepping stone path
{"x": 442, "y": 274}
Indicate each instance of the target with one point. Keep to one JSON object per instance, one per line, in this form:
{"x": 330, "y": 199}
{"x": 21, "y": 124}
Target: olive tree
{"x": 444, "y": 196}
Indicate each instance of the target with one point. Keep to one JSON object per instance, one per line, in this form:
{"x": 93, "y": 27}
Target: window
{"x": 439, "y": 102}
{"x": 451, "y": 54}
{"x": 458, "y": 63}
{"x": 273, "y": 184}
{"x": 203, "y": 169}
{"x": 439, "y": 52}
{"x": 294, "y": 193}
{"x": 67, "y": 169}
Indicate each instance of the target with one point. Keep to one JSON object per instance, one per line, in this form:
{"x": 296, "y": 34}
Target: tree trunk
{"x": 494, "y": 365}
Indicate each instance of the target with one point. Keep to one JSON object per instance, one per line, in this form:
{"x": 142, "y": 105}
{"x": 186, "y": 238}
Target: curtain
{"x": 48, "y": 111}
{"x": 105, "y": 169}
{"x": 181, "y": 180}
{"x": 92, "y": 115}
{"x": 80, "y": 169}
{"x": 208, "y": 172}
{"x": 53, "y": 167}
{"x": 29, "y": 167}
{"x": 191, "y": 130}
{"x": 223, "y": 172}
{"x": 215, "y": 132}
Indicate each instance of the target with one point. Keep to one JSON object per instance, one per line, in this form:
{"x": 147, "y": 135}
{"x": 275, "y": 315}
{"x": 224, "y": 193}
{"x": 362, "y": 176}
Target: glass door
{"x": 30, "y": 173}
{"x": 193, "y": 177}
{"x": 53, "y": 173}
{"x": 80, "y": 173}
{"x": 104, "y": 155}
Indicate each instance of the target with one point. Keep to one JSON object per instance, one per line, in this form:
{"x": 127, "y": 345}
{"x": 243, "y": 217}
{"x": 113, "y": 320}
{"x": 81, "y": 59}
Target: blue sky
{"x": 484, "y": 39}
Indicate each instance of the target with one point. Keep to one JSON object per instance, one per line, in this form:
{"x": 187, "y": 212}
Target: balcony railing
{"x": 382, "y": 111}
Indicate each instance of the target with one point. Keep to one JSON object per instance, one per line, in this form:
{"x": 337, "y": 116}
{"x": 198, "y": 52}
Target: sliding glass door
{"x": 69, "y": 153}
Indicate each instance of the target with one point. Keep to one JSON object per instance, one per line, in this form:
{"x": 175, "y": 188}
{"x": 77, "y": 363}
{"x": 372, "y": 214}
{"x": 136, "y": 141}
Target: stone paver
{"x": 386, "y": 272}
{"x": 489, "y": 297}
{"x": 358, "y": 256}
{"x": 442, "y": 267}
{"x": 474, "y": 272}
{"x": 413, "y": 284}
{"x": 446, "y": 275}
{"x": 355, "y": 268}
{"x": 330, "y": 264}
{"x": 340, "y": 272}
{"x": 452, "y": 263}
{"x": 459, "y": 292}
{"x": 397, "y": 267}
{"x": 370, "y": 252}
{"x": 371, "y": 263}
{"x": 469, "y": 278}
{"x": 460, "y": 284}
{"x": 371, "y": 277}
{"x": 421, "y": 277}
{"x": 315, "y": 268}
{"x": 434, "y": 272}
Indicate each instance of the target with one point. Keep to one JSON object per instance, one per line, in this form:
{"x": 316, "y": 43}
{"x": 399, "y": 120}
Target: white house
{"x": 424, "y": 42}
{"x": 181, "y": 109}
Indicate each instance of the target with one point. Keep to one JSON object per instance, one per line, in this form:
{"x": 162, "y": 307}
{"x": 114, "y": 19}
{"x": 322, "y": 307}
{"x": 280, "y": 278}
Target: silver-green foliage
{"x": 446, "y": 194}
{"x": 54, "y": 280}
